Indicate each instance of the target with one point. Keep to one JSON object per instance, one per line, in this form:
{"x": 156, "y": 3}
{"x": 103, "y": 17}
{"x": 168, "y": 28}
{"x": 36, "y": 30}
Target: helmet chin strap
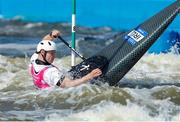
{"x": 44, "y": 58}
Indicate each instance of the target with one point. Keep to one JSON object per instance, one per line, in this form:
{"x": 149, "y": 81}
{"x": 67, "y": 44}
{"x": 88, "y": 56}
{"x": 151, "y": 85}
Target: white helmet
{"x": 47, "y": 45}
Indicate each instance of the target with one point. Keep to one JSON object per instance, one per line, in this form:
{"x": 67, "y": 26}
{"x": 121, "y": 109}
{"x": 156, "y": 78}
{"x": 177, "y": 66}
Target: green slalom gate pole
{"x": 73, "y": 61}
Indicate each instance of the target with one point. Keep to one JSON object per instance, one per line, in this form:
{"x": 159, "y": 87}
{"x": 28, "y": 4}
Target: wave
{"x": 92, "y": 102}
{"x": 151, "y": 69}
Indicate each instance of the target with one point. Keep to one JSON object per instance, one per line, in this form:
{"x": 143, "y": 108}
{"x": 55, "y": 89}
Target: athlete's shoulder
{"x": 34, "y": 57}
{"x": 52, "y": 68}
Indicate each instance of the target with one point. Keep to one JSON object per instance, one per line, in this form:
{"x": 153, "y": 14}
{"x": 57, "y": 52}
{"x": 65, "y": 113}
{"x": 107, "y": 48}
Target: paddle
{"x": 77, "y": 53}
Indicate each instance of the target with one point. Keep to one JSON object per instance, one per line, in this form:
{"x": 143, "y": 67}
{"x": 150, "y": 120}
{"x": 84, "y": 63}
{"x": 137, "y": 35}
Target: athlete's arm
{"x": 70, "y": 83}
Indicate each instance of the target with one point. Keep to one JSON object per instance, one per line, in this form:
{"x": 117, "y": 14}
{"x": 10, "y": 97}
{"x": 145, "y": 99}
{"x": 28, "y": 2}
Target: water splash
{"x": 21, "y": 101}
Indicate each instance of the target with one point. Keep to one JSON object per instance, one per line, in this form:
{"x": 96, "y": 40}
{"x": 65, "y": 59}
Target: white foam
{"x": 142, "y": 107}
{"x": 176, "y": 117}
{"x": 175, "y": 49}
{"x": 109, "y": 111}
{"x": 158, "y": 68}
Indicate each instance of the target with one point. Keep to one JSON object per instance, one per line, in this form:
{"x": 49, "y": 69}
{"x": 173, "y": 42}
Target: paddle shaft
{"x": 77, "y": 53}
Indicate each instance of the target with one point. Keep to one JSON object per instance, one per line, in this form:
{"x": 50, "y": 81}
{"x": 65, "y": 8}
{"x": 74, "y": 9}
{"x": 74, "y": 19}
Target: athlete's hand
{"x": 55, "y": 33}
{"x": 95, "y": 72}
{"x": 52, "y": 35}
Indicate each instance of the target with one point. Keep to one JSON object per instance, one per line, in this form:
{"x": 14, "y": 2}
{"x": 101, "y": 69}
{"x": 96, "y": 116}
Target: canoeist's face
{"x": 50, "y": 56}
